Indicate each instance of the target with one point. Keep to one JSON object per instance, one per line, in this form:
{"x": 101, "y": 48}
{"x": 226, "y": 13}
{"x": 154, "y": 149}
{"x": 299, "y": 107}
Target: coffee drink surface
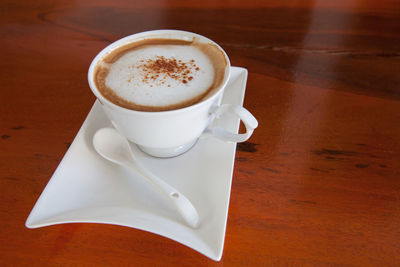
{"x": 160, "y": 74}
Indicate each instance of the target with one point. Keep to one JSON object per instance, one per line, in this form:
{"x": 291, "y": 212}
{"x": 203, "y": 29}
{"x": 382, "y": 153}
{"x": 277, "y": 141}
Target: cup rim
{"x": 146, "y": 34}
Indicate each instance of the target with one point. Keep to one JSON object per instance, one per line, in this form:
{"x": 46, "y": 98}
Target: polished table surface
{"x": 317, "y": 184}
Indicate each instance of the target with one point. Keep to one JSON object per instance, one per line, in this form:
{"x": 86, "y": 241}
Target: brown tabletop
{"x": 317, "y": 184}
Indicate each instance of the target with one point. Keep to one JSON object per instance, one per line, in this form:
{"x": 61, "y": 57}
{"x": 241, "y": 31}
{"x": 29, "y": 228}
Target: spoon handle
{"x": 183, "y": 205}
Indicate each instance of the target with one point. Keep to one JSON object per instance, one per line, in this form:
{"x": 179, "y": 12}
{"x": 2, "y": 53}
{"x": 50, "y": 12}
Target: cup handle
{"x": 244, "y": 115}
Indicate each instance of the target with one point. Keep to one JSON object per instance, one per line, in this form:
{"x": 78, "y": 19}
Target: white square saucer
{"x": 86, "y": 188}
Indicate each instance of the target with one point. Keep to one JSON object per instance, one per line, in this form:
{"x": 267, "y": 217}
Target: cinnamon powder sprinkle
{"x": 160, "y": 68}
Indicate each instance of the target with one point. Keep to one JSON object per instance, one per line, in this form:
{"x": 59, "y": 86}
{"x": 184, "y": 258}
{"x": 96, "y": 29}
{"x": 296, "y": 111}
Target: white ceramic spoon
{"x": 114, "y": 147}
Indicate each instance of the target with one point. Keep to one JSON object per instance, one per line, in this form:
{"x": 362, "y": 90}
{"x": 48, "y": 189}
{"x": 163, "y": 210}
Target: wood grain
{"x": 318, "y": 184}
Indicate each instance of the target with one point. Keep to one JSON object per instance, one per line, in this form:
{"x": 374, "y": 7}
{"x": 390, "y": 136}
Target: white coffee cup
{"x": 171, "y": 133}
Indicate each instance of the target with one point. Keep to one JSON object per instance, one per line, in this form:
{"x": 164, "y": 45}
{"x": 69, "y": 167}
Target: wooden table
{"x": 318, "y": 183}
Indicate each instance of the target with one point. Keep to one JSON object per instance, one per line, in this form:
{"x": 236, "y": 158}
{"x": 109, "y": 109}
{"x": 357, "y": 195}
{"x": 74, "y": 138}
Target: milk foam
{"x": 132, "y": 78}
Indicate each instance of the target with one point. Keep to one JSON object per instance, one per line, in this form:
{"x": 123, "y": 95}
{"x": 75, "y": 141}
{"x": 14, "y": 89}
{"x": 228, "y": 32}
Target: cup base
{"x": 167, "y": 152}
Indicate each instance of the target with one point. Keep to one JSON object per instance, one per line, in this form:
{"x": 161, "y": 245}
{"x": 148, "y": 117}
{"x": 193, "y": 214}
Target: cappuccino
{"x": 160, "y": 74}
